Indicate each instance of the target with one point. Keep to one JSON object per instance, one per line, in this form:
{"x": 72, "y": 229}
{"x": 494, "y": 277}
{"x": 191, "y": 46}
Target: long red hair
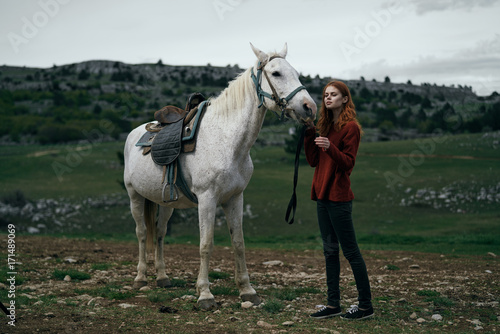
{"x": 347, "y": 114}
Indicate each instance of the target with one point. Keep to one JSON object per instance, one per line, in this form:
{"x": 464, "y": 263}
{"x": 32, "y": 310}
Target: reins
{"x": 283, "y": 104}
{"x": 292, "y": 205}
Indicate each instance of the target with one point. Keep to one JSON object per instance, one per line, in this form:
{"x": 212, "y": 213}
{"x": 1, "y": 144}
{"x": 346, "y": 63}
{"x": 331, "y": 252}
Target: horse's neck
{"x": 240, "y": 128}
{"x": 249, "y": 126}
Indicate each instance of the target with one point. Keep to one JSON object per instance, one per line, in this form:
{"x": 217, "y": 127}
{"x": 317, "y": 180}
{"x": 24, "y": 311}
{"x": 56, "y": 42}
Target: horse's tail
{"x": 150, "y": 209}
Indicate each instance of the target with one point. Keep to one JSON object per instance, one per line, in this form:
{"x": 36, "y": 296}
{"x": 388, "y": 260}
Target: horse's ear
{"x": 284, "y": 51}
{"x": 261, "y": 56}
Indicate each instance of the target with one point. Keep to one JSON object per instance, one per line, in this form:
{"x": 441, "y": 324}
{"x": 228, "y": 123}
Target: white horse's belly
{"x": 220, "y": 179}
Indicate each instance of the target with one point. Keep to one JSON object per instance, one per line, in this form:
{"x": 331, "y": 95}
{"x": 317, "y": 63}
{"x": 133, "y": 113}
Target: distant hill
{"x": 60, "y": 103}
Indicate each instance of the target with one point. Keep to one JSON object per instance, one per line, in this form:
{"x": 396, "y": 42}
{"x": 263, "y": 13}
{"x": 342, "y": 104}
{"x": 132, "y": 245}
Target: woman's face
{"x": 333, "y": 98}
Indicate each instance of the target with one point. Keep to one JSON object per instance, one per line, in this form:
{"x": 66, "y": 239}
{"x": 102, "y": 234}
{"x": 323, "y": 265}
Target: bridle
{"x": 261, "y": 94}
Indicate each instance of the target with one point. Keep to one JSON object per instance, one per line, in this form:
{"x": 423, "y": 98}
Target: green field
{"x": 435, "y": 195}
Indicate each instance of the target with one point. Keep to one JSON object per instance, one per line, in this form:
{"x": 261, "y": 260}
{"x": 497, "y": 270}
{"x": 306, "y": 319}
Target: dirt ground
{"x": 409, "y": 291}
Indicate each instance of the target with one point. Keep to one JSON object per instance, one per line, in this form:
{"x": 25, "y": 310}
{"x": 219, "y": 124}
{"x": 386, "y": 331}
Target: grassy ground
{"x": 413, "y": 292}
{"x": 437, "y": 195}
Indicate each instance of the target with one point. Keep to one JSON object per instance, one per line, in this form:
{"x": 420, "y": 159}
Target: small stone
{"x": 476, "y": 322}
{"x": 420, "y": 320}
{"x": 264, "y": 324}
{"x": 211, "y": 321}
{"x": 413, "y": 316}
{"x": 234, "y": 319}
{"x": 125, "y": 305}
{"x": 49, "y": 315}
{"x": 83, "y": 297}
{"x": 273, "y": 263}
{"x": 145, "y": 288}
{"x": 67, "y": 278}
{"x": 492, "y": 254}
{"x": 437, "y": 317}
{"x": 402, "y": 301}
{"x": 327, "y": 330}
{"x": 95, "y": 301}
{"x": 288, "y": 323}
{"x": 246, "y": 304}
{"x": 188, "y": 297}
{"x": 414, "y": 266}
{"x": 27, "y": 296}
{"x": 488, "y": 271}
{"x": 70, "y": 260}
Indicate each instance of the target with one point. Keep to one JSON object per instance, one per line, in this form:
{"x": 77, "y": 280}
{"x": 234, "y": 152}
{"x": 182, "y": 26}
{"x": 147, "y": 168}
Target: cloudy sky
{"x": 433, "y": 41}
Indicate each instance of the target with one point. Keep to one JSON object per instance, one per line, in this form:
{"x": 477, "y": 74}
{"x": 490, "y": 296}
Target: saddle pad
{"x": 146, "y": 139}
{"x": 166, "y": 145}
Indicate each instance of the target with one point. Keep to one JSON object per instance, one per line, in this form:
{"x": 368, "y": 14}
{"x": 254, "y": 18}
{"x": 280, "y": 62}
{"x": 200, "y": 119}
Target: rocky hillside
{"x": 56, "y": 104}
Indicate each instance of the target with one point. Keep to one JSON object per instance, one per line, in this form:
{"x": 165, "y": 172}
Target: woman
{"x": 333, "y": 154}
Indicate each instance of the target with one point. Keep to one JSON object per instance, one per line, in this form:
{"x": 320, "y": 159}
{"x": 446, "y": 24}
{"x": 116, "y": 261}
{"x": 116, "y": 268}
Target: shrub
{"x": 273, "y": 305}
{"x": 218, "y": 275}
{"x": 428, "y": 293}
{"x": 58, "y": 133}
{"x": 74, "y": 274}
{"x": 15, "y": 199}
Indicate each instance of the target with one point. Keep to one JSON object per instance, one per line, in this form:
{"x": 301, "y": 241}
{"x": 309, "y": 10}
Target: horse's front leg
{"x": 162, "y": 280}
{"x": 234, "y": 215}
{"x": 206, "y": 215}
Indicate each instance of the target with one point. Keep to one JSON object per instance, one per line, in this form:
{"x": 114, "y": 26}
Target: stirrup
{"x": 174, "y": 193}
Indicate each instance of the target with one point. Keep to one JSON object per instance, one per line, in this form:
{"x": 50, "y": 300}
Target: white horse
{"x": 218, "y": 170}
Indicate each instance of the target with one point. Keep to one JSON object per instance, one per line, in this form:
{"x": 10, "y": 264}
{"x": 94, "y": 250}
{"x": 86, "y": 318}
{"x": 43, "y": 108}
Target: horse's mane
{"x": 235, "y": 95}
{"x": 237, "y": 92}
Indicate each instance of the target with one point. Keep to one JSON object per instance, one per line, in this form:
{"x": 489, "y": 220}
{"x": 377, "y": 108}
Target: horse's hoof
{"x": 251, "y": 298}
{"x": 139, "y": 284}
{"x": 207, "y": 304}
{"x": 163, "y": 283}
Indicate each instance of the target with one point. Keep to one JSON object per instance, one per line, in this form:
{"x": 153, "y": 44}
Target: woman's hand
{"x": 322, "y": 142}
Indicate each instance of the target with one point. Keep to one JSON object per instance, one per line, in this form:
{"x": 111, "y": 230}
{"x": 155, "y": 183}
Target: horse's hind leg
{"x": 162, "y": 280}
{"x": 137, "y": 210}
{"x": 234, "y": 215}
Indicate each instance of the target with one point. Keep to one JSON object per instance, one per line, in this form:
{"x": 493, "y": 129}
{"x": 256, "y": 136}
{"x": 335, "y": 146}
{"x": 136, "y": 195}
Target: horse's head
{"x": 279, "y": 88}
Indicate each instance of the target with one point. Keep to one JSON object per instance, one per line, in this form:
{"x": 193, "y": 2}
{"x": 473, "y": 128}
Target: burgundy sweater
{"x": 333, "y": 166}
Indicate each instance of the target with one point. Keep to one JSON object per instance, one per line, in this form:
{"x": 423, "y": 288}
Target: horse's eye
{"x": 276, "y": 74}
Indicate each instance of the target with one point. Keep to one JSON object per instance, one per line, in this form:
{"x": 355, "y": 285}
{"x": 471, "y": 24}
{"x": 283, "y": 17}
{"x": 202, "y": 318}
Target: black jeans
{"x": 335, "y": 224}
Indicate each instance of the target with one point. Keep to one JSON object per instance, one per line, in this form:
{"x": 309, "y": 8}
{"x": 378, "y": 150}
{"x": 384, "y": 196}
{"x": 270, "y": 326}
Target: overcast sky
{"x": 434, "y": 41}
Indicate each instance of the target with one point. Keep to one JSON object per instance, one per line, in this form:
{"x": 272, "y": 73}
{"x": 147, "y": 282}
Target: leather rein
{"x": 261, "y": 94}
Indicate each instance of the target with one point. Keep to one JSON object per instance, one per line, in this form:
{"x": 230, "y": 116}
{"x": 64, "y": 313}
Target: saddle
{"x": 173, "y": 134}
